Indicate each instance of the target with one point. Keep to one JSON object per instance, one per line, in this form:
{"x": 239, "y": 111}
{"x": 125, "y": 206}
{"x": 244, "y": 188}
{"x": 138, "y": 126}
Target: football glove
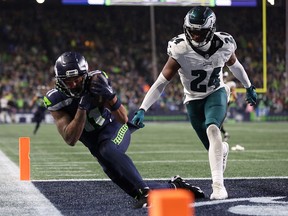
{"x": 102, "y": 87}
{"x": 139, "y": 118}
{"x": 251, "y": 95}
{"x": 85, "y": 102}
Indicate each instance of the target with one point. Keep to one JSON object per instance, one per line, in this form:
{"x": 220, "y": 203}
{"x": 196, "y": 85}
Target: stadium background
{"x": 117, "y": 39}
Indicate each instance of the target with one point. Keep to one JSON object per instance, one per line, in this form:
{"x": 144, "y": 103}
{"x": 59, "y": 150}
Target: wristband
{"x": 116, "y": 105}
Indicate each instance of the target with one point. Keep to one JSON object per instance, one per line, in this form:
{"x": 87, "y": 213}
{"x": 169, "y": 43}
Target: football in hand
{"x": 95, "y": 78}
{"x": 97, "y": 99}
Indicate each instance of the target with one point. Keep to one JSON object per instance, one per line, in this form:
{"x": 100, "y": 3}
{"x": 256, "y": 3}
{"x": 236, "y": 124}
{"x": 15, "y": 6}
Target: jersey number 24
{"x": 201, "y": 75}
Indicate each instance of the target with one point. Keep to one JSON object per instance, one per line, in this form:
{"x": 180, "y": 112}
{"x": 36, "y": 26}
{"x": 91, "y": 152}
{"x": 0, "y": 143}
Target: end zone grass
{"x": 160, "y": 150}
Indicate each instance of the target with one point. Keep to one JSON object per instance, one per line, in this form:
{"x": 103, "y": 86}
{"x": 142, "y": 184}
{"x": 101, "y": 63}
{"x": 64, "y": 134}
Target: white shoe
{"x": 219, "y": 192}
{"x": 225, "y": 156}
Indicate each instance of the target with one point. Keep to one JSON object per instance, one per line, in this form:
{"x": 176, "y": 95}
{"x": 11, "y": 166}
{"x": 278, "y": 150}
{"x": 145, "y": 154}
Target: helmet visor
{"x": 198, "y": 35}
{"x": 73, "y": 82}
{"x": 72, "y": 86}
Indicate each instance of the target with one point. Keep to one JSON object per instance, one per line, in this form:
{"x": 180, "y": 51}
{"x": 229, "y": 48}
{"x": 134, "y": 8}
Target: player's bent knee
{"x": 107, "y": 151}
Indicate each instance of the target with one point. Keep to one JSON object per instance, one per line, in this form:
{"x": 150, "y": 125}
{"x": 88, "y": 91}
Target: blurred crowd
{"x": 118, "y": 41}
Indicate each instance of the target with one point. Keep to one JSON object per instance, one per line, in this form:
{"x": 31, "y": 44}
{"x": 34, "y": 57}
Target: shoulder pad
{"x": 92, "y": 73}
{"x": 56, "y": 100}
{"x": 227, "y": 39}
{"x": 176, "y": 46}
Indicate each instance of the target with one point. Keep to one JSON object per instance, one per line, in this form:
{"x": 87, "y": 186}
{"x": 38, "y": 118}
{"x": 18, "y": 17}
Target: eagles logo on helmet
{"x": 199, "y": 26}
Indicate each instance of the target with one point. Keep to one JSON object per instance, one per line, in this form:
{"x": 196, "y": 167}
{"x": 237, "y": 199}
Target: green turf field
{"x": 160, "y": 150}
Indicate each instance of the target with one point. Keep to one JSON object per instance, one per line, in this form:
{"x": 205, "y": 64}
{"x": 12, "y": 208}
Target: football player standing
{"x": 39, "y": 114}
{"x": 198, "y": 56}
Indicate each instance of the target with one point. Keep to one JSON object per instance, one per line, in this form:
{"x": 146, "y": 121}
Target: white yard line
{"x": 21, "y": 197}
{"x": 161, "y": 179}
{"x": 161, "y": 152}
{"x": 74, "y": 163}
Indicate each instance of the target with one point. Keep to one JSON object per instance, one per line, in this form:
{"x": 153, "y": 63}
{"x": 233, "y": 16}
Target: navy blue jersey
{"x": 100, "y": 124}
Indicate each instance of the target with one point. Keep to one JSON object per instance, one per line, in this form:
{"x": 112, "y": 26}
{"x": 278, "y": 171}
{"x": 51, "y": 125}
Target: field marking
{"x": 161, "y": 152}
{"x": 252, "y": 199}
{"x": 21, "y": 197}
{"x": 74, "y": 163}
{"x": 204, "y": 151}
{"x": 162, "y": 179}
{"x": 202, "y": 161}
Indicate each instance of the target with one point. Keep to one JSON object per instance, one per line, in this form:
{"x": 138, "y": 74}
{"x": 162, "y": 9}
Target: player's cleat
{"x": 237, "y": 148}
{"x": 178, "y": 182}
{"x": 225, "y": 156}
{"x": 142, "y": 199}
{"x": 226, "y": 137}
{"x": 219, "y": 192}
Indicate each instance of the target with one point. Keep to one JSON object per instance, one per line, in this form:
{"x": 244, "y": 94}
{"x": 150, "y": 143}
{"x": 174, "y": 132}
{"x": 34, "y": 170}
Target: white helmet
{"x": 199, "y": 21}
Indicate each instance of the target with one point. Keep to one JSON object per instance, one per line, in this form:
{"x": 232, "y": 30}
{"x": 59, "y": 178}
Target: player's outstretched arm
{"x": 168, "y": 72}
{"x": 239, "y": 72}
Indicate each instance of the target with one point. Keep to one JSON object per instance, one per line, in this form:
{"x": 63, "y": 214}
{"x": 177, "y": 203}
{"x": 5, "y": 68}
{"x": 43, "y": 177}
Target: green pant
{"x": 207, "y": 111}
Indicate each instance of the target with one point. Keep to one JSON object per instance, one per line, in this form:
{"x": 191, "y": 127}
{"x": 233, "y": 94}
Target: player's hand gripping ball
{"x": 100, "y": 86}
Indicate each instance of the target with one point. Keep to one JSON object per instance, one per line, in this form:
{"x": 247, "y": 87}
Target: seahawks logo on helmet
{"x": 199, "y": 26}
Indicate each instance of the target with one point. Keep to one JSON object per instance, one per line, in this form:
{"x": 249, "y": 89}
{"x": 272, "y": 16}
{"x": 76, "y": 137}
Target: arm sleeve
{"x": 239, "y": 72}
{"x": 154, "y": 92}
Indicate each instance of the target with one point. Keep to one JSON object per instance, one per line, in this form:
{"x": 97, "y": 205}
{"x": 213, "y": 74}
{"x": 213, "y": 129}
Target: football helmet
{"x": 199, "y": 26}
{"x": 68, "y": 66}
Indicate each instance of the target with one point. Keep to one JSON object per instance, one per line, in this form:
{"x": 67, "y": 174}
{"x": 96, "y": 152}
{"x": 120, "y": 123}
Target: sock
{"x": 215, "y": 153}
{"x": 224, "y": 148}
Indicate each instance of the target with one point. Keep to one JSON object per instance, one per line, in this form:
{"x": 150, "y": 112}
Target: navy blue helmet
{"x": 68, "y": 65}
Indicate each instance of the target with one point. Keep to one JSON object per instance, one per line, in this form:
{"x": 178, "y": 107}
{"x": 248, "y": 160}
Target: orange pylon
{"x": 24, "y": 158}
{"x": 168, "y": 202}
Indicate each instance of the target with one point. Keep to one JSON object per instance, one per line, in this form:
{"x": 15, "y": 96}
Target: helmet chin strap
{"x": 203, "y": 48}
